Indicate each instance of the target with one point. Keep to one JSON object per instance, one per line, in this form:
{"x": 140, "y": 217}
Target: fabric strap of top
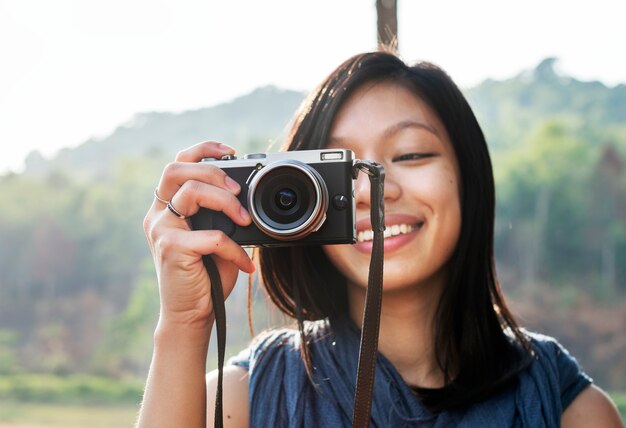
{"x": 368, "y": 349}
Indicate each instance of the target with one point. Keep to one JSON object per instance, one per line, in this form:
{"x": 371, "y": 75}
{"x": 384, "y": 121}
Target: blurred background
{"x": 96, "y": 97}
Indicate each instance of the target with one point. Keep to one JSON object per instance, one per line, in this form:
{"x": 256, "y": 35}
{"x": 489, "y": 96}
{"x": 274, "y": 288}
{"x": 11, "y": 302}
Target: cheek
{"x": 448, "y": 209}
{"x": 438, "y": 189}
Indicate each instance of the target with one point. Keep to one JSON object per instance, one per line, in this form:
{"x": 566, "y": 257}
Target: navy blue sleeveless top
{"x": 281, "y": 394}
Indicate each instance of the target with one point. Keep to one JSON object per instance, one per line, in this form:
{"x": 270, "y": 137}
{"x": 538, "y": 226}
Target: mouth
{"x": 390, "y": 231}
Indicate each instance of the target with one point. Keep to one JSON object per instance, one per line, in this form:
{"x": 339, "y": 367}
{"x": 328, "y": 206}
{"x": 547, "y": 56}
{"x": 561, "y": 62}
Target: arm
{"x": 175, "y": 394}
{"x": 591, "y": 408}
{"x": 235, "y": 397}
{"x": 175, "y": 390}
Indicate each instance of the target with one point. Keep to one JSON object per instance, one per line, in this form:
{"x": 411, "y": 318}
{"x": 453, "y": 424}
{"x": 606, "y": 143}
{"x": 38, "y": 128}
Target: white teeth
{"x": 393, "y": 230}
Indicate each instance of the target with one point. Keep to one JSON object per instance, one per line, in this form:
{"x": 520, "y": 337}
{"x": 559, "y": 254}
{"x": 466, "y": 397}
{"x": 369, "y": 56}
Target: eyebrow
{"x": 394, "y": 129}
{"x": 409, "y": 123}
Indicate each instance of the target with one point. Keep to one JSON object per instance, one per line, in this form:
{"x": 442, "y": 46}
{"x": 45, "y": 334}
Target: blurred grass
{"x": 36, "y": 400}
{"x": 71, "y": 389}
{"x": 37, "y": 415}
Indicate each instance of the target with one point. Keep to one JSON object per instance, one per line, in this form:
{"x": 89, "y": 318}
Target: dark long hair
{"x": 478, "y": 344}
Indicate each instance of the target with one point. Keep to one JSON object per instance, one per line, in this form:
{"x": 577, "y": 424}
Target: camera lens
{"x": 288, "y": 200}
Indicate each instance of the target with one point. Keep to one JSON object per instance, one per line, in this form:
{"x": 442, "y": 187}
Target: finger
{"x": 176, "y": 174}
{"x": 207, "y": 149}
{"x": 218, "y": 243}
{"x": 205, "y": 242}
{"x": 193, "y": 195}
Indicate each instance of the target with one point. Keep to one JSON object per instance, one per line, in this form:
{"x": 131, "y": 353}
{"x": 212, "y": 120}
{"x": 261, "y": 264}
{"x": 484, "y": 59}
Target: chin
{"x": 399, "y": 273}
{"x": 397, "y": 277}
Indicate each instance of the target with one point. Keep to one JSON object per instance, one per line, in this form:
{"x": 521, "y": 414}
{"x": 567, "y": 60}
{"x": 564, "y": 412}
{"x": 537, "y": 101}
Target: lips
{"x": 393, "y": 230}
{"x": 399, "y": 230}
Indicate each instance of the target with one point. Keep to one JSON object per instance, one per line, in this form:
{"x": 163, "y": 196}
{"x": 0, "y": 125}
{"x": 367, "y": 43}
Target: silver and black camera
{"x": 294, "y": 198}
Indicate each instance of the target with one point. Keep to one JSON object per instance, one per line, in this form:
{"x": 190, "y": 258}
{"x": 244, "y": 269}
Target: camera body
{"x": 294, "y": 198}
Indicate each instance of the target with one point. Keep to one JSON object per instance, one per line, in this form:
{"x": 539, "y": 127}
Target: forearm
{"x": 175, "y": 393}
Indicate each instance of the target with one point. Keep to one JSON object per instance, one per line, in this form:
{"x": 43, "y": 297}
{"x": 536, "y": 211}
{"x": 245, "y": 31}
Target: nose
{"x": 393, "y": 190}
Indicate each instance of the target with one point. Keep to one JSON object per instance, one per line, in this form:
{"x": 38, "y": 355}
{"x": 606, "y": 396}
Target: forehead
{"x": 377, "y": 105}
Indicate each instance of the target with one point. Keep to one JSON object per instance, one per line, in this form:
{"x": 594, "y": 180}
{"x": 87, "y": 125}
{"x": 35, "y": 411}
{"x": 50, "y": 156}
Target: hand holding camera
{"x": 186, "y": 186}
{"x": 293, "y": 198}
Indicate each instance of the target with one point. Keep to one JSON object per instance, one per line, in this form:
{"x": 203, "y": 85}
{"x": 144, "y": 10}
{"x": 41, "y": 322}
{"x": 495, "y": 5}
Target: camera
{"x": 294, "y": 198}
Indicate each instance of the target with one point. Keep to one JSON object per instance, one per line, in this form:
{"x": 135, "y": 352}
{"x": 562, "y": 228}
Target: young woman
{"x": 450, "y": 352}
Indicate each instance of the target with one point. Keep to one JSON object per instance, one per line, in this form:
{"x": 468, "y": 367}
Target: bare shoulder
{"x": 235, "y": 397}
{"x": 591, "y": 408}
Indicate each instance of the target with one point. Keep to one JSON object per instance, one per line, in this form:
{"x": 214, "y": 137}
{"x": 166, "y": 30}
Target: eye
{"x": 412, "y": 156}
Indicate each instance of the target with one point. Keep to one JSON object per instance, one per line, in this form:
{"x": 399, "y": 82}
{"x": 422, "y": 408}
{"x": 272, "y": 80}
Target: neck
{"x": 406, "y": 336}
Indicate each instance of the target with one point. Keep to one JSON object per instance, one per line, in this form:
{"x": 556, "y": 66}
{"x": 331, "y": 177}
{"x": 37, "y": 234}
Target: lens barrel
{"x": 287, "y": 200}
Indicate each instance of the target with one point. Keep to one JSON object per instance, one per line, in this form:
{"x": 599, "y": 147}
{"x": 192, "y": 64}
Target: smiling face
{"x": 388, "y": 123}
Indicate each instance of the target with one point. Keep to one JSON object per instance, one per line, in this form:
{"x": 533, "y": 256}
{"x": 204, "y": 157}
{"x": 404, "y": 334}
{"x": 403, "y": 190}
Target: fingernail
{"x": 252, "y": 267}
{"x": 225, "y": 147}
{"x": 244, "y": 214}
{"x": 232, "y": 184}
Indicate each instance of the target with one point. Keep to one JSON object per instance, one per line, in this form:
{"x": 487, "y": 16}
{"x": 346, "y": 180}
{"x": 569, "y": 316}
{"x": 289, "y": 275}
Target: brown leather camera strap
{"x": 217, "y": 298}
{"x": 368, "y": 350}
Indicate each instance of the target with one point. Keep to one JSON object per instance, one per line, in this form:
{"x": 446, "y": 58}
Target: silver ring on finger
{"x": 158, "y": 198}
{"x": 175, "y": 211}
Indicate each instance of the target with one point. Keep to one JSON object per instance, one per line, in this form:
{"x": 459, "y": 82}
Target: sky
{"x": 71, "y": 70}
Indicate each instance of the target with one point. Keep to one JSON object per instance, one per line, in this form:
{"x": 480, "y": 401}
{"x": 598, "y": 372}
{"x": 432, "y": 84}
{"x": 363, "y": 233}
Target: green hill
{"x": 248, "y": 123}
{"x": 510, "y": 110}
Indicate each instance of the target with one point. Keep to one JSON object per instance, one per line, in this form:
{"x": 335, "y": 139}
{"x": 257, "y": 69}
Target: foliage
{"x": 128, "y": 337}
{"x": 9, "y": 362}
{"x": 508, "y": 109}
{"x": 561, "y": 199}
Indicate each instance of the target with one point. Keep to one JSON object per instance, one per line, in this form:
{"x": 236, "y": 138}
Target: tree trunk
{"x": 608, "y": 268}
{"x": 387, "y": 12}
{"x": 536, "y": 247}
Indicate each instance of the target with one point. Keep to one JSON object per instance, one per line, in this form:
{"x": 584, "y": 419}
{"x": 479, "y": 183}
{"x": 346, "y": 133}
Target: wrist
{"x": 179, "y": 335}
